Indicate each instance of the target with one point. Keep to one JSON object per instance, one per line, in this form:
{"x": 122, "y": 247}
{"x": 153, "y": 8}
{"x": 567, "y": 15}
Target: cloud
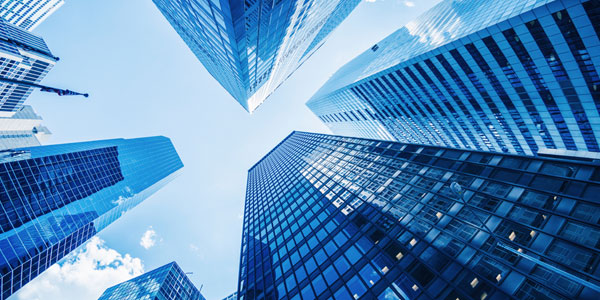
{"x": 197, "y": 251}
{"x": 194, "y": 248}
{"x": 370, "y": 1}
{"x": 84, "y": 274}
{"x": 148, "y": 239}
{"x": 120, "y": 200}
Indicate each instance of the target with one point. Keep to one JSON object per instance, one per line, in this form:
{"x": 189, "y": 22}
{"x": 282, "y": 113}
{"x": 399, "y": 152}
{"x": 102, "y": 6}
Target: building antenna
{"x": 43, "y": 88}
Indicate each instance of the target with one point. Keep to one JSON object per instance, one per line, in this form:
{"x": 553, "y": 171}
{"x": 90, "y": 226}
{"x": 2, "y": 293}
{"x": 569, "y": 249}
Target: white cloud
{"x": 120, "y": 200}
{"x": 148, "y": 239}
{"x": 370, "y": 1}
{"x": 194, "y": 248}
{"x": 197, "y": 251}
{"x": 84, "y": 274}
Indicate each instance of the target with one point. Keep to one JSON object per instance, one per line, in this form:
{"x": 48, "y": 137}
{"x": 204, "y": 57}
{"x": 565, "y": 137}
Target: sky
{"x": 144, "y": 81}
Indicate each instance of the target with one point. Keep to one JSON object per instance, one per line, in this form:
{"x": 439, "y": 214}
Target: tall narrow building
{"x": 23, "y": 129}
{"x": 28, "y": 14}
{"x": 252, "y": 47}
{"x": 168, "y": 282}
{"x": 54, "y": 198}
{"x": 513, "y": 77}
{"x": 23, "y": 57}
{"x": 330, "y": 217}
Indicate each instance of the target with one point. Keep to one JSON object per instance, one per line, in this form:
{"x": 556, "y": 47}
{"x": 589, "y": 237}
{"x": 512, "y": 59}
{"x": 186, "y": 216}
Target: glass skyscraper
{"x": 252, "y": 47}
{"x": 54, "y": 198}
{"x": 514, "y": 76}
{"x": 24, "y": 57}
{"x": 168, "y": 282}
{"x": 330, "y": 217}
{"x": 28, "y": 14}
{"x": 23, "y": 129}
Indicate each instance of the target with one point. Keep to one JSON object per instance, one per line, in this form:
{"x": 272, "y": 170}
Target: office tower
{"x": 252, "y": 47}
{"x": 330, "y": 217}
{"x": 168, "y": 282}
{"x": 28, "y": 14}
{"x": 23, "y": 129}
{"x": 23, "y": 57}
{"x": 231, "y": 297}
{"x": 515, "y": 77}
{"x": 54, "y": 198}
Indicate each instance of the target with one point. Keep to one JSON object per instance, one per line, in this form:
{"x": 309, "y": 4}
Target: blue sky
{"x": 144, "y": 81}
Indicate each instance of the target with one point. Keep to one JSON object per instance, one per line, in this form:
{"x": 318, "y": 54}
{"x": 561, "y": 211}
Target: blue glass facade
{"x": 54, "y": 198}
{"x": 23, "y": 56}
{"x": 516, "y": 76}
{"x": 168, "y": 282}
{"x": 252, "y": 47}
{"x": 28, "y": 14}
{"x": 330, "y": 217}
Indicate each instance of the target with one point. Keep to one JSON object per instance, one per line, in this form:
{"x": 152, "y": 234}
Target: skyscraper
{"x": 24, "y": 57}
{"x": 54, "y": 198}
{"x": 168, "y": 282}
{"x": 516, "y": 77}
{"x": 330, "y": 217}
{"x": 23, "y": 129}
{"x": 252, "y": 47}
{"x": 28, "y": 14}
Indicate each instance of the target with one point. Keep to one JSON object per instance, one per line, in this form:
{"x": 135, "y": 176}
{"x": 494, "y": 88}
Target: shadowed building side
{"x": 351, "y": 218}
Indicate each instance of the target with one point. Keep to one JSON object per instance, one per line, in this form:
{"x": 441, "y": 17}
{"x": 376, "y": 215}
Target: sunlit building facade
{"x": 24, "y": 57}
{"x": 252, "y": 47}
{"x": 28, "y": 14}
{"x": 511, "y": 76}
{"x": 23, "y": 129}
{"x": 54, "y": 198}
{"x": 330, "y": 217}
{"x": 168, "y": 282}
